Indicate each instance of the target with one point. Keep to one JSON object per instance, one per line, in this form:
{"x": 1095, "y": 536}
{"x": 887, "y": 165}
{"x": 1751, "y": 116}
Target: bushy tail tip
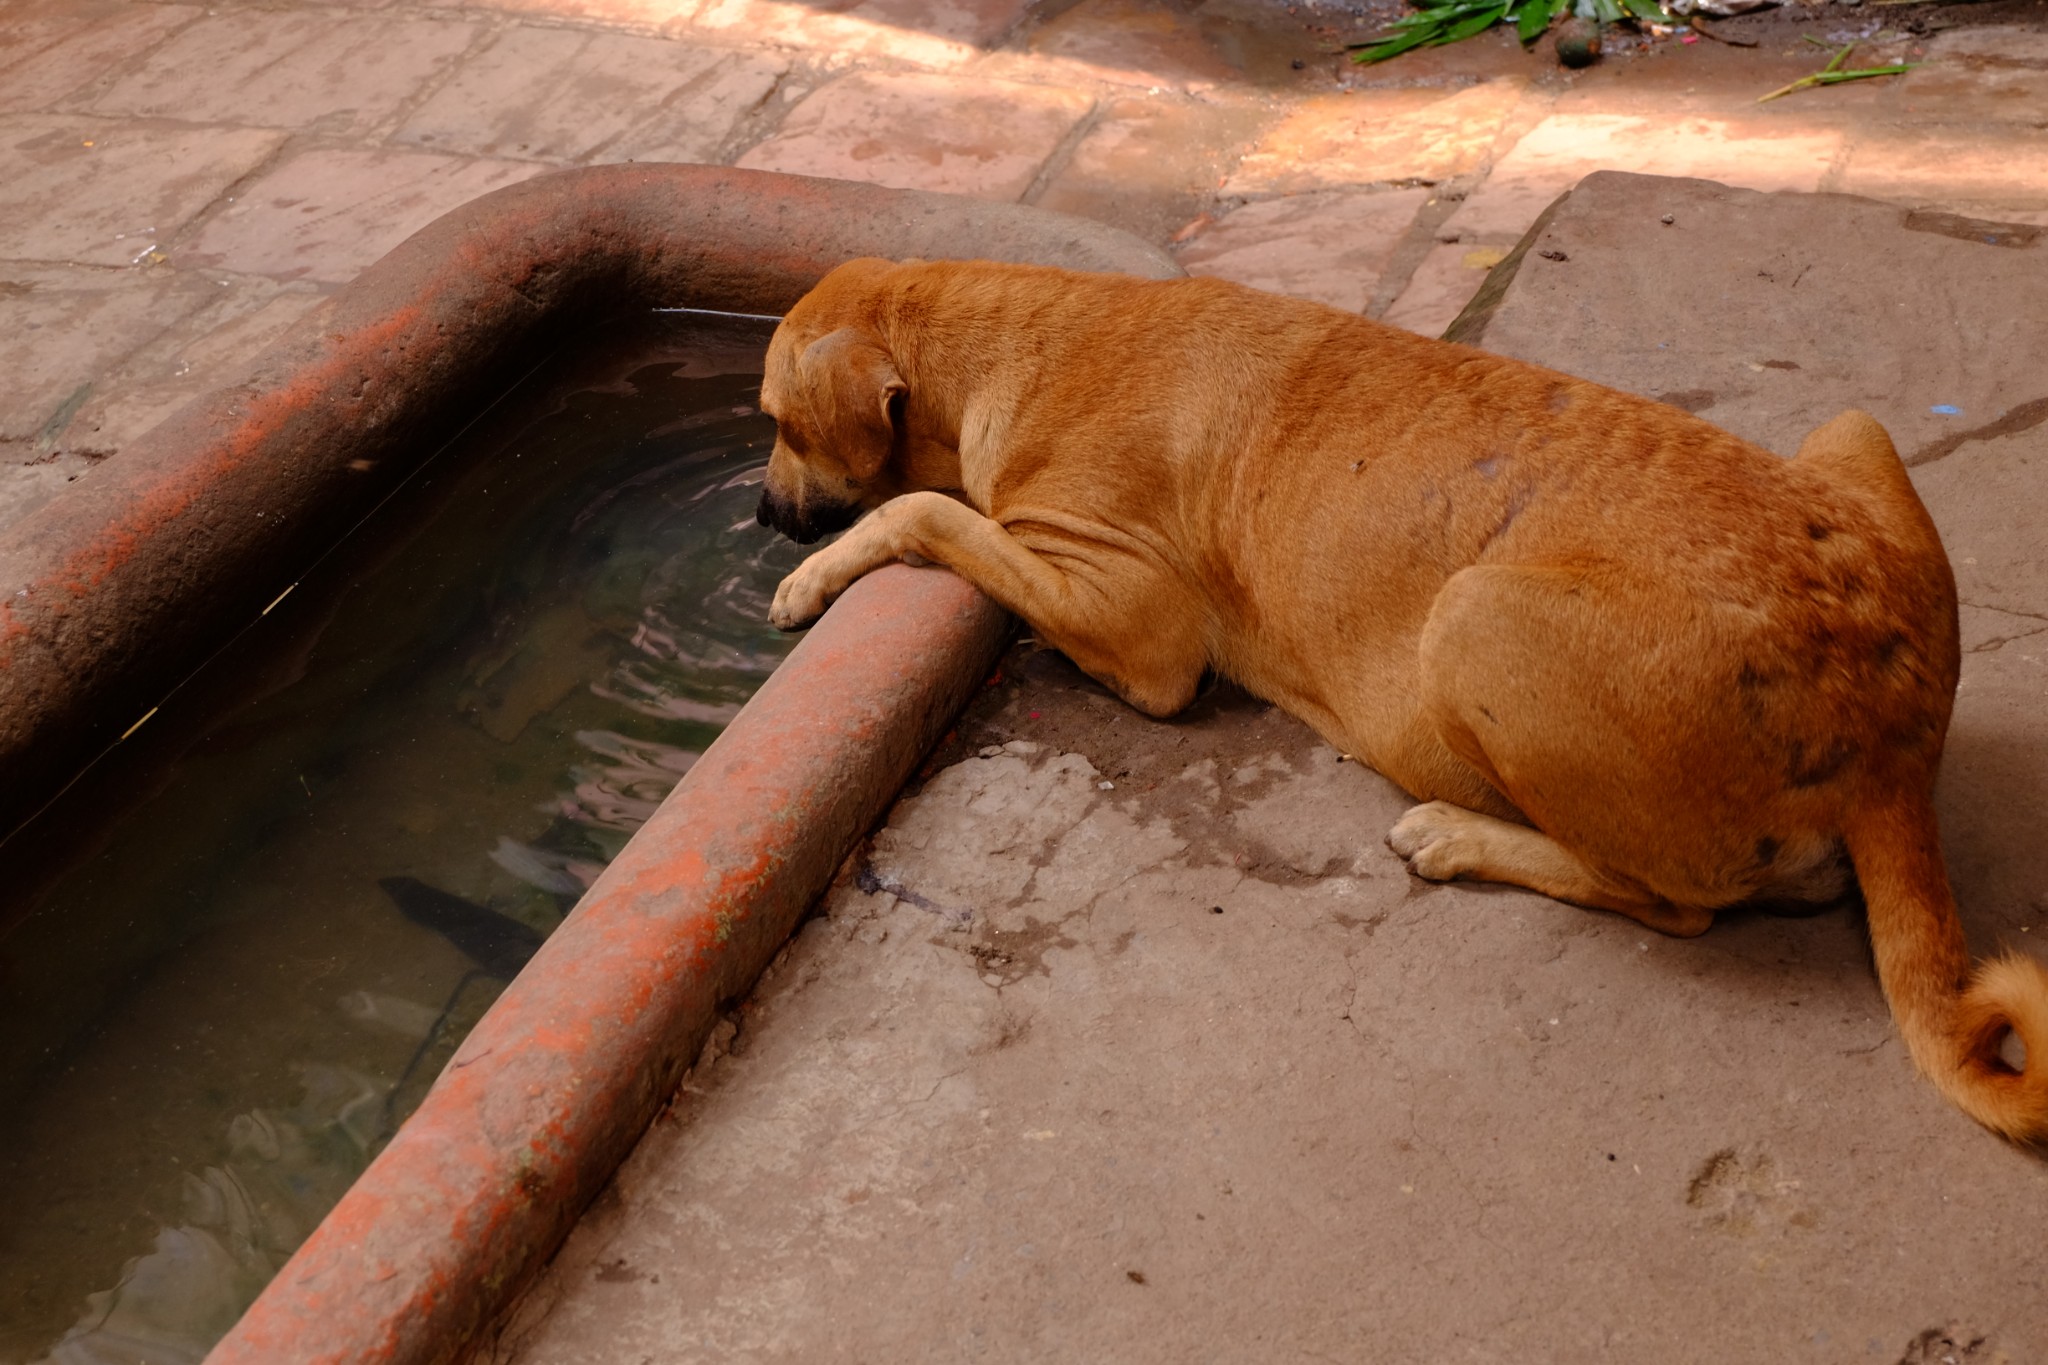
{"x": 2006, "y": 995}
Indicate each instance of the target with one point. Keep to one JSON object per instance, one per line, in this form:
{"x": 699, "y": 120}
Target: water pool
{"x": 234, "y": 958}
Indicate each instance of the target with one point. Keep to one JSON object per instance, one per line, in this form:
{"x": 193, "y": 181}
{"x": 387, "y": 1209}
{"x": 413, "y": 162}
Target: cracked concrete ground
{"x": 1127, "y": 1040}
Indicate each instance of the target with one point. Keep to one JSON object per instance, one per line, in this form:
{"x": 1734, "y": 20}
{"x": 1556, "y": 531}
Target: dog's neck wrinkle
{"x": 959, "y": 421}
{"x": 929, "y": 463}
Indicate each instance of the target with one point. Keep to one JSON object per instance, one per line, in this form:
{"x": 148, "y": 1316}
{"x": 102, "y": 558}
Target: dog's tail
{"x": 1953, "y": 1016}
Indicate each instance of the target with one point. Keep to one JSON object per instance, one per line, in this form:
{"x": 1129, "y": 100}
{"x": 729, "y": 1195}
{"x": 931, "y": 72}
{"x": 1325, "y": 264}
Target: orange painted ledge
{"x": 540, "y": 1104}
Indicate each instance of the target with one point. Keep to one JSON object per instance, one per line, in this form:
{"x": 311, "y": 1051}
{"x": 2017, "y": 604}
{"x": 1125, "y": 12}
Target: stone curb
{"x": 550, "y": 1092}
{"x": 111, "y": 600}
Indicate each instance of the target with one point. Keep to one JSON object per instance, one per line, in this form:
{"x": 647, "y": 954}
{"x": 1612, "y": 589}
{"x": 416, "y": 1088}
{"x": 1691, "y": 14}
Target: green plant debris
{"x": 1447, "y": 21}
{"x": 1834, "y": 73}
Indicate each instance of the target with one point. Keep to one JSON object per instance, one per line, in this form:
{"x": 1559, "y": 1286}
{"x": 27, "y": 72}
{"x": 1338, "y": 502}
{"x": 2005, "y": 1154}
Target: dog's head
{"x": 838, "y": 403}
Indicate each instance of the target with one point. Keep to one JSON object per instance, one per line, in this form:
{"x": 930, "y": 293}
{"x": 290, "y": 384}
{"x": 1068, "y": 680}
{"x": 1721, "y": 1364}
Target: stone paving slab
{"x": 234, "y": 324}
{"x": 66, "y": 334}
{"x": 99, "y": 192}
{"x": 1366, "y": 137}
{"x": 980, "y": 23}
{"x": 347, "y": 74}
{"x": 709, "y": 117}
{"x": 638, "y": 15}
{"x": 1159, "y": 43}
{"x": 1997, "y": 172}
{"x": 64, "y": 328}
{"x": 1128, "y": 1041}
{"x": 1992, "y": 46}
{"x": 1937, "y": 317}
{"x": 839, "y": 37}
{"x": 34, "y": 476}
{"x": 324, "y": 215}
{"x": 1445, "y": 281}
{"x": 1757, "y": 152}
{"x": 564, "y": 95}
{"x": 1711, "y": 80}
{"x": 1971, "y": 80}
{"x": 95, "y": 38}
{"x": 1150, "y": 163}
{"x": 988, "y": 139}
{"x": 1332, "y": 247}
{"x": 28, "y": 27}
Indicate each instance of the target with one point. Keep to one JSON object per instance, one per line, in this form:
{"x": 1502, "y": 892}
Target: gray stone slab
{"x": 1769, "y": 313}
{"x": 957, "y": 135}
{"x": 205, "y": 350}
{"x": 1150, "y": 163}
{"x": 63, "y": 328}
{"x": 1977, "y": 75}
{"x": 345, "y": 73}
{"x": 102, "y": 191}
{"x": 91, "y": 37}
{"x": 91, "y": 358}
{"x": 551, "y": 94}
{"x": 30, "y": 476}
{"x": 1128, "y": 1041}
{"x": 1329, "y": 247}
{"x": 325, "y": 214}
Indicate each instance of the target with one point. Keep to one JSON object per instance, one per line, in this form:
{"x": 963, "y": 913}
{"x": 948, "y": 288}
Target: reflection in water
{"x": 446, "y": 734}
{"x": 241, "y": 1220}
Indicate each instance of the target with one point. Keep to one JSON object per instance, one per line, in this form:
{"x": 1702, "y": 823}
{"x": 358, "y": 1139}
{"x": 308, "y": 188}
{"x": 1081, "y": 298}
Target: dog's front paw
{"x": 800, "y": 599}
{"x": 1436, "y": 840}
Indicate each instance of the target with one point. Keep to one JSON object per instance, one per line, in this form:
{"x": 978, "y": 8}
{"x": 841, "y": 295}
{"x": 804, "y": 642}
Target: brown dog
{"x": 1626, "y": 659}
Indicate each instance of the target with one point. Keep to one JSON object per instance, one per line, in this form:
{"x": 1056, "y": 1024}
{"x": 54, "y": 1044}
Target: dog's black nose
{"x": 761, "y": 511}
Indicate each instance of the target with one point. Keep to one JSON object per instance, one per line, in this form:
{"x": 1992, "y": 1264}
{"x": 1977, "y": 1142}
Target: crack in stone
{"x": 1998, "y": 642}
{"x": 905, "y": 1106}
{"x": 2003, "y": 611}
{"x": 2027, "y": 415}
{"x": 1458, "y": 1181}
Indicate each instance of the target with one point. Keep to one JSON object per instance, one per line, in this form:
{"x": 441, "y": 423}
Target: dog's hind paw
{"x": 1438, "y": 840}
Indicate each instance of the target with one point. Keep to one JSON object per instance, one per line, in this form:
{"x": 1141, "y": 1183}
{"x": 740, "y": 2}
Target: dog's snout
{"x": 785, "y": 516}
{"x": 807, "y": 522}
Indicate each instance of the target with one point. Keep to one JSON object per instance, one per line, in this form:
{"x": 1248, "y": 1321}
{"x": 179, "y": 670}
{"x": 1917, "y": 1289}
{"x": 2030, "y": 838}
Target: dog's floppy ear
{"x": 852, "y": 385}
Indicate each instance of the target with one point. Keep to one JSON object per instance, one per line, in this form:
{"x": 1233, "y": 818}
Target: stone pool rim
{"x": 113, "y": 595}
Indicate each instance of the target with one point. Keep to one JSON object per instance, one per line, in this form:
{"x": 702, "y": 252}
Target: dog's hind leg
{"x": 1119, "y": 619}
{"x": 1442, "y": 842}
{"x": 1609, "y": 710}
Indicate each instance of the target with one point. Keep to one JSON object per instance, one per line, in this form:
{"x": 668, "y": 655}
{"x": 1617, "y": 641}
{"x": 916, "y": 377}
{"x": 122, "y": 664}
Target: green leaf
{"x": 1395, "y": 46}
{"x": 1532, "y": 19}
{"x": 1608, "y": 11}
{"x": 1447, "y": 13}
{"x": 1478, "y": 23}
{"x": 1428, "y": 21}
{"x": 1649, "y": 11}
{"x": 1411, "y": 22}
{"x": 1837, "y": 77}
{"x": 1833, "y": 77}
